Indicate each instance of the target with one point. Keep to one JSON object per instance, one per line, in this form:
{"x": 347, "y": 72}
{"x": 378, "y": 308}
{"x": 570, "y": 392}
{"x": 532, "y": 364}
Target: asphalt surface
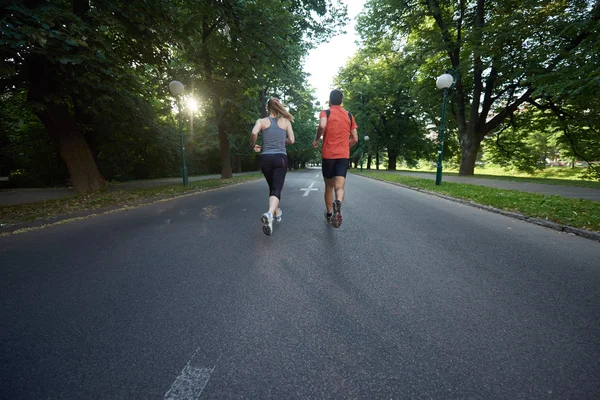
{"x": 412, "y": 297}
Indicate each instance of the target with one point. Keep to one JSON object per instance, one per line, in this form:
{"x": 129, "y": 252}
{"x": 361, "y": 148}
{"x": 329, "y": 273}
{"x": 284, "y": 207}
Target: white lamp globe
{"x": 366, "y": 138}
{"x": 176, "y": 88}
{"x": 444, "y": 81}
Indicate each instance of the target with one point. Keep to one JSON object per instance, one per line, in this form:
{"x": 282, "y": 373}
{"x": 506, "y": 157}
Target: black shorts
{"x": 333, "y": 167}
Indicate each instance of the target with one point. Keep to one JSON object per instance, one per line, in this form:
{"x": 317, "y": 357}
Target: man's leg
{"x": 341, "y": 168}
{"x": 339, "y": 183}
{"x": 327, "y": 169}
{"x": 336, "y": 217}
{"x": 329, "y": 188}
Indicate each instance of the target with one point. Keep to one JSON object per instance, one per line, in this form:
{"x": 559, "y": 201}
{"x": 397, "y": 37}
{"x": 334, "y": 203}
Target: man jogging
{"x": 339, "y": 131}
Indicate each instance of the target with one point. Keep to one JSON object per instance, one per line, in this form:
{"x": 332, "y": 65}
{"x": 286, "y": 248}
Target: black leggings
{"x": 274, "y": 168}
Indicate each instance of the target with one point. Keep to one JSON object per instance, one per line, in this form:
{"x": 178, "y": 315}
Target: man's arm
{"x": 353, "y": 137}
{"x": 320, "y": 130}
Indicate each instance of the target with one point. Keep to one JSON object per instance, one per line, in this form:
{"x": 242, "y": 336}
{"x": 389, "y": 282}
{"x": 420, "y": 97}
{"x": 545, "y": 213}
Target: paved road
{"x": 554, "y": 190}
{"x": 413, "y": 297}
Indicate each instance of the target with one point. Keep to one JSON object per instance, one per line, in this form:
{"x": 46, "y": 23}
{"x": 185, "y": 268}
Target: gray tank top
{"x": 273, "y": 139}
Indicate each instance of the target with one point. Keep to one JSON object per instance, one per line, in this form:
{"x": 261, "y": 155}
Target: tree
{"x": 88, "y": 67}
{"x": 74, "y": 61}
{"x": 376, "y": 89}
{"x": 506, "y": 53}
{"x": 231, "y": 48}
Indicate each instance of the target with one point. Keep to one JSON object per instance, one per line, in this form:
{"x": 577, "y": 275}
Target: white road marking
{"x": 309, "y": 189}
{"x": 190, "y": 383}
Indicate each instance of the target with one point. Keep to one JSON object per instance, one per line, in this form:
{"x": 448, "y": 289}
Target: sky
{"x": 324, "y": 61}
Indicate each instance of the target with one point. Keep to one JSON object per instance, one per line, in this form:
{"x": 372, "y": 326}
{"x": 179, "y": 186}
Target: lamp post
{"x": 362, "y": 143}
{"x": 445, "y": 81}
{"x": 362, "y": 151}
{"x": 176, "y": 89}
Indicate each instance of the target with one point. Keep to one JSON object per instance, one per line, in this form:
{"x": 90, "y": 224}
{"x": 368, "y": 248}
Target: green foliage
{"x": 525, "y": 144}
{"x": 109, "y": 63}
{"x": 27, "y": 155}
{"x": 508, "y": 53}
{"x": 376, "y": 89}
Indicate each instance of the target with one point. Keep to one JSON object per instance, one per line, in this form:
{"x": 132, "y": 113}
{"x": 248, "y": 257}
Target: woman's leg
{"x": 279, "y": 172}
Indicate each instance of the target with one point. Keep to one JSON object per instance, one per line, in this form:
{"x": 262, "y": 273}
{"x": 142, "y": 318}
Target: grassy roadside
{"x": 550, "y": 176}
{"x": 549, "y": 180}
{"x": 19, "y": 213}
{"x": 577, "y": 213}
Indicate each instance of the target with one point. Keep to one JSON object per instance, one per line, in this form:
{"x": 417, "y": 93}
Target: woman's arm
{"x": 290, "y": 139}
{"x": 254, "y": 135}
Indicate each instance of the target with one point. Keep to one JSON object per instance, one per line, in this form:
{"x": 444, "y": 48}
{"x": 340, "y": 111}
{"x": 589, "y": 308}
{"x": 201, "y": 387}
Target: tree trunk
{"x": 469, "y": 147}
{"x": 62, "y": 128}
{"x": 392, "y": 156}
{"x": 224, "y": 153}
{"x": 377, "y": 160}
{"x": 74, "y": 149}
{"x": 369, "y": 161}
{"x": 238, "y": 163}
{"x": 263, "y": 103}
{"x": 224, "y": 150}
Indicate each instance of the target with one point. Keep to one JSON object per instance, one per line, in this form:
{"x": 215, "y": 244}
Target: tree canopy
{"x": 508, "y": 55}
{"x": 84, "y": 83}
{"x": 94, "y": 76}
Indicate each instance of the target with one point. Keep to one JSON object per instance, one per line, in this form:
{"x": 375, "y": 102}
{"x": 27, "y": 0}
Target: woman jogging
{"x": 277, "y": 132}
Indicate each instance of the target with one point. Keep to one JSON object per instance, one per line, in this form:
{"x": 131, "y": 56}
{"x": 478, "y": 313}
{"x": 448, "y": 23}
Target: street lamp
{"x": 362, "y": 151}
{"x": 176, "y": 89}
{"x": 445, "y": 81}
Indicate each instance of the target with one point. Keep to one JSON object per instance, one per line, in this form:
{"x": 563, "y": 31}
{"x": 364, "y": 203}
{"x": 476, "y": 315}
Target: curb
{"x": 541, "y": 222}
{"x": 22, "y": 227}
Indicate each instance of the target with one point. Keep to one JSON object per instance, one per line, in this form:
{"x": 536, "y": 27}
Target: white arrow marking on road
{"x": 309, "y": 189}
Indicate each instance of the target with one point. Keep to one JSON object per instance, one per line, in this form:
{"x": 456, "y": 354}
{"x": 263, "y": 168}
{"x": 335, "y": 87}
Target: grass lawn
{"x": 577, "y": 213}
{"x": 109, "y": 198}
{"x": 550, "y": 176}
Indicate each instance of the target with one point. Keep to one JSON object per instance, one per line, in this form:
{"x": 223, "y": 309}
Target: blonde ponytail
{"x": 275, "y": 106}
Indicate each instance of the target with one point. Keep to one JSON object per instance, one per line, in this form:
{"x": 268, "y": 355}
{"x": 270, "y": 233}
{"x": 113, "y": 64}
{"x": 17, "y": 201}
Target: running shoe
{"x": 328, "y": 217}
{"x": 278, "y": 215}
{"x": 267, "y": 220}
{"x": 336, "y": 218}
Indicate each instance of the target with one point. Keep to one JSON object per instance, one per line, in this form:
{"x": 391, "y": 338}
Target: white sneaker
{"x": 267, "y": 220}
{"x": 278, "y": 215}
